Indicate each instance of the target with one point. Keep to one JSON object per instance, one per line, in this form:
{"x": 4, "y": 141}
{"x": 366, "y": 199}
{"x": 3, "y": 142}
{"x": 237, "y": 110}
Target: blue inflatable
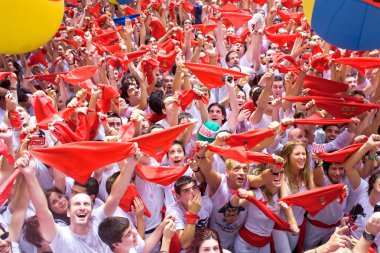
{"x": 348, "y": 24}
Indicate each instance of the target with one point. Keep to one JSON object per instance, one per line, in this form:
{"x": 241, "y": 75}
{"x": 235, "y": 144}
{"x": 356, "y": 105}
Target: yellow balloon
{"x": 113, "y": 2}
{"x": 25, "y": 25}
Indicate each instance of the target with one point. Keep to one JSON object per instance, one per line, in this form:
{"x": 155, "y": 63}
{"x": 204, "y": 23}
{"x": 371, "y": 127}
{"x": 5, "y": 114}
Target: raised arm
{"x": 349, "y": 165}
{"x": 121, "y": 184}
{"x": 48, "y": 228}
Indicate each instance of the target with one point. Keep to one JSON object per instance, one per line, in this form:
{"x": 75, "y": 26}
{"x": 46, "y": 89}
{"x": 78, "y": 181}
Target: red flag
{"x": 315, "y": 200}
{"x": 159, "y": 174}
{"x": 212, "y": 76}
{"x": 82, "y": 158}
{"x": 80, "y": 74}
{"x": 127, "y": 200}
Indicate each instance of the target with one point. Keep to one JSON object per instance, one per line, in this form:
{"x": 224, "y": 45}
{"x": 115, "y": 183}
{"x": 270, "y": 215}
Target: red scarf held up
{"x": 6, "y": 187}
{"x": 212, "y": 76}
{"x": 291, "y": 3}
{"x": 250, "y": 138}
{"x": 228, "y": 7}
{"x": 47, "y": 77}
{"x": 84, "y": 157}
{"x": 158, "y": 144}
{"x": 360, "y": 63}
{"x": 313, "y": 201}
{"x": 324, "y": 85}
{"x": 43, "y": 108}
{"x": 345, "y": 110}
{"x": 342, "y": 98}
{"x": 159, "y": 174}
{"x": 286, "y": 16}
{"x": 126, "y": 202}
{"x": 341, "y": 155}
{"x": 187, "y": 96}
{"x": 280, "y": 224}
{"x": 292, "y": 67}
{"x": 157, "y": 29}
{"x": 80, "y": 74}
{"x": 37, "y": 58}
{"x": 4, "y": 152}
{"x": 237, "y": 19}
{"x": 166, "y": 61}
{"x": 127, "y": 131}
{"x": 321, "y": 121}
{"x": 281, "y": 39}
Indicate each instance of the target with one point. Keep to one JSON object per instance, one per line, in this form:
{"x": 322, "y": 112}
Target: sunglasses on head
{"x": 4, "y": 236}
{"x": 277, "y": 173}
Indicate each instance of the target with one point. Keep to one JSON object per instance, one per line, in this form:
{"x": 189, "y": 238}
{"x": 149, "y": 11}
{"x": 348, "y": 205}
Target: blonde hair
{"x": 260, "y": 169}
{"x": 305, "y": 172}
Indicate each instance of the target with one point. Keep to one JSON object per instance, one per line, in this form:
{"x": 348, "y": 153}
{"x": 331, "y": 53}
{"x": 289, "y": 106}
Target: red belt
{"x": 253, "y": 239}
{"x": 301, "y": 238}
{"x": 323, "y": 225}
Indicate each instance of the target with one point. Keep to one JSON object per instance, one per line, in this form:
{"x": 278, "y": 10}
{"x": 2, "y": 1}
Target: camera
{"x": 37, "y": 139}
{"x": 229, "y": 78}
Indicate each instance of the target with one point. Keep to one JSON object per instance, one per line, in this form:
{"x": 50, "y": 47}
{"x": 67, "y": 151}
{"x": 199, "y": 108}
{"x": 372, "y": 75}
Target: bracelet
{"x": 375, "y": 158}
{"x": 191, "y": 218}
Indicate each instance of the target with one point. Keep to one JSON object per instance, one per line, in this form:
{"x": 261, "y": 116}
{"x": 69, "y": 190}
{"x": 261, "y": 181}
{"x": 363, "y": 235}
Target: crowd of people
{"x": 189, "y": 126}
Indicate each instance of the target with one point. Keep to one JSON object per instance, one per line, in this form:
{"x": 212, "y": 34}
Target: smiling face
{"x": 80, "y": 209}
{"x": 297, "y": 158}
{"x": 335, "y": 173}
{"x": 241, "y": 99}
{"x": 24, "y": 115}
{"x": 216, "y": 115}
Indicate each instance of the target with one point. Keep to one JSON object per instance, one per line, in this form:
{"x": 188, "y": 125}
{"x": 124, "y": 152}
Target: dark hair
{"x": 125, "y": 85}
{"x": 111, "y": 230}
{"x": 183, "y": 181}
{"x": 184, "y": 115}
{"x": 32, "y": 232}
{"x": 227, "y": 58}
{"x": 178, "y": 143}
{"x": 372, "y": 179}
{"x": 221, "y": 107}
{"x": 92, "y": 186}
{"x": 202, "y": 235}
{"x": 110, "y": 181}
{"x": 156, "y": 101}
{"x": 278, "y": 78}
{"x": 58, "y": 218}
{"x": 256, "y": 94}
{"x": 357, "y": 92}
{"x": 154, "y": 126}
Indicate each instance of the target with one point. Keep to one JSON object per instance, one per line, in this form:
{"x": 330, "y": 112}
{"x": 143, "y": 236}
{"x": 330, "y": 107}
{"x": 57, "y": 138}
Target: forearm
{"x": 141, "y": 226}
{"x": 187, "y": 235}
{"x": 152, "y": 240}
{"x": 362, "y": 245}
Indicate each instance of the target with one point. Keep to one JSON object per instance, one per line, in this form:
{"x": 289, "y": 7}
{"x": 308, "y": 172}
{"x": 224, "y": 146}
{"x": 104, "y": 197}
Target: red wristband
{"x": 191, "y": 218}
{"x": 14, "y": 119}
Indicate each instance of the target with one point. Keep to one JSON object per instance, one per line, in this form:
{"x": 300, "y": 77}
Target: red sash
{"x": 253, "y": 239}
{"x": 323, "y": 225}
{"x": 301, "y": 239}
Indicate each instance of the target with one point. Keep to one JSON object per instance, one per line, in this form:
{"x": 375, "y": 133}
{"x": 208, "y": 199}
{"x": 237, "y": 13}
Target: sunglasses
{"x": 4, "y": 236}
{"x": 277, "y": 173}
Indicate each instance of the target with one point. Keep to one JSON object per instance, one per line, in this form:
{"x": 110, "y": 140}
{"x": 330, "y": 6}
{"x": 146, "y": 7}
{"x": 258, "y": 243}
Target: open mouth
{"x": 81, "y": 215}
{"x": 177, "y": 162}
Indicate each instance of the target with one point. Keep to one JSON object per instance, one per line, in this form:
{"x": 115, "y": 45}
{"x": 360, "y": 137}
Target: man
{"x": 121, "y": 236}
{"x": 225, "y": 218}
{"x": 189, "y": 203}
{"x": 331, "y": 132}
{"x": 81, "y": 235}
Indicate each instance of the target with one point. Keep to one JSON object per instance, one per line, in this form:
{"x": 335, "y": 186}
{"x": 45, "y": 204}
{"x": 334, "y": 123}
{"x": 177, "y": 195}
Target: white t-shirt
{"x": 226, "y": 221}
{"x": 178, "y": 211}
{"x": 257, "y": 222}
{"x": 67, "y": 241}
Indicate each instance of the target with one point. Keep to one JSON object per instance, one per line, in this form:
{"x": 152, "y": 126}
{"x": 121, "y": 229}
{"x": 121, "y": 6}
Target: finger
{"x": 341, "y": 230}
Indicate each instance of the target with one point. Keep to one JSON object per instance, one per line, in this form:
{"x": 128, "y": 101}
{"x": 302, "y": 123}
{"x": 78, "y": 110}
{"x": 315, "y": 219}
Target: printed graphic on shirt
{"x": 230, "y": 213}
{"x": 355, "y": 212}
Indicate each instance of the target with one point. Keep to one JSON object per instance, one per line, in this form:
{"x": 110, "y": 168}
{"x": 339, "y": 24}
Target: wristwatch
{"x": 368, "y": 236}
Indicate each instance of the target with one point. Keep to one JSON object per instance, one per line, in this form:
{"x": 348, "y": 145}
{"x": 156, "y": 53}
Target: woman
{"x": 206, "y": 241}
{"x": 297, "y": 178}
{"x": 57, "y": 203}
{"x": 258, "y": 225}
